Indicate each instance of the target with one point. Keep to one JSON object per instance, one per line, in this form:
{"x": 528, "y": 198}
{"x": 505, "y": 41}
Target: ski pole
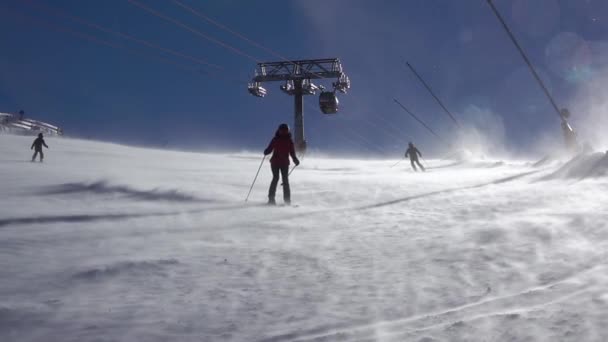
{"x": 397, "y": 163}
{"x": 427, "y": 164}
{"x": 289, "y": 174}
{"x": 256, "y": 177}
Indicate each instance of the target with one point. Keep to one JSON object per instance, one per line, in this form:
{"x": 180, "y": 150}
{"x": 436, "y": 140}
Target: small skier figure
{"x": 283, "y": 147}
{"x": 37, "y": 145}
{"x": 413, "y": 152}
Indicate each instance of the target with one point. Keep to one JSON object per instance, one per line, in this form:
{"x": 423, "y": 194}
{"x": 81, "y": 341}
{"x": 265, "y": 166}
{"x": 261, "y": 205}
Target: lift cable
{"x": 420, "y": 121}
{"x": 90, "y": 38}
{"x": 369, "y": 123}
{"x": 364, "y": 140}
{"x": 395, "y": 130}
{"x": 353, "y": 143}
{"x": 62, "y": 14}
{"x": 382, "y": 130}
{"x": 386, "y": 122}
{"x": 199, "y": 14}
{"x": 523, "y": 55}
{"x": 227, "y": 29}
{"x": 433, "y": 94}
{"x": 196, "y": 32}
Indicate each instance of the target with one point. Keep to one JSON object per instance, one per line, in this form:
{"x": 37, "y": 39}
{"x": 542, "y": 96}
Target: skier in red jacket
{"x": 283, "y": 147}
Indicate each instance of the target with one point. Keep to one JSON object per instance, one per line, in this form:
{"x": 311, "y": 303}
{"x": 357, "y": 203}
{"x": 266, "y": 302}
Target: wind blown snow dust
{"x": 104, "y": 242}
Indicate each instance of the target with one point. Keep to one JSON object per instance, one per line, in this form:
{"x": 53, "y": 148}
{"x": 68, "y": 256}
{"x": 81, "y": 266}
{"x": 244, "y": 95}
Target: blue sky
{"x": 113, "y": 93}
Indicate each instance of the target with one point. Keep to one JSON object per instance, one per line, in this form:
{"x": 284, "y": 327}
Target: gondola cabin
{"x": 328, "y": 102}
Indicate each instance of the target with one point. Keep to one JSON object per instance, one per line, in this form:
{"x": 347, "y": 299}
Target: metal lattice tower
{"x": 298, "y": 76}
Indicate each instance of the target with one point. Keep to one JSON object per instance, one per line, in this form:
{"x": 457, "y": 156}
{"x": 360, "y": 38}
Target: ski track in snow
{"x": 508, "y": 305}
{"x": 105, "y": 242}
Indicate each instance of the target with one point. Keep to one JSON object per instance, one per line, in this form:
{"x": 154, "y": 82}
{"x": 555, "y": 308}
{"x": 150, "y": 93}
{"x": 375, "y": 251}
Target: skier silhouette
{"x": 37, "y": 144}
{"x": 413, "y": 152}
{"x": 283, "y": 147}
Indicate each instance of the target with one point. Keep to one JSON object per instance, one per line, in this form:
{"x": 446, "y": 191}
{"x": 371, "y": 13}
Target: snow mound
{"x": 582, "y": 166}
{"x": 462, "y": 155}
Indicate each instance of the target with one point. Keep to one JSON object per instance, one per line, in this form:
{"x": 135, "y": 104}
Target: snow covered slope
{"x": 111, "y": 243}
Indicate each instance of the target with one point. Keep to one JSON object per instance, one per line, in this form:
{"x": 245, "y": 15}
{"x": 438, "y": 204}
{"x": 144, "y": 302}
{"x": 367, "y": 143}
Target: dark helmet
{"x": 283, "y": 129}
{"x": 39, "y": 135}
{"x": 410, "y": 144}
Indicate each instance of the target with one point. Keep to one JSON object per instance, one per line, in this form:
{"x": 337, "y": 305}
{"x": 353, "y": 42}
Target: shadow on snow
{"x": 72, "y": 218}
{"x": 103, "y": 187}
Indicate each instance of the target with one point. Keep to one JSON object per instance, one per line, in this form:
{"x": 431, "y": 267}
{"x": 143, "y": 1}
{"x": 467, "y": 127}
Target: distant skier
{"x": 283, "y": 147}
{"x": 413, "y": 153}
{"x": 37, "y": 145}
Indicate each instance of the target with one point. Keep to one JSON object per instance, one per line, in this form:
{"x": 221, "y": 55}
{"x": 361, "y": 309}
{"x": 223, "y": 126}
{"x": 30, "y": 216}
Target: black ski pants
{"x": 36, "y": 153}
{"x": 415, "y": 160}
{"x": 284, "y": 170}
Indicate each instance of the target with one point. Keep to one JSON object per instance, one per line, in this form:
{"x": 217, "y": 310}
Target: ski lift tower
{"x": 298, "y": 76}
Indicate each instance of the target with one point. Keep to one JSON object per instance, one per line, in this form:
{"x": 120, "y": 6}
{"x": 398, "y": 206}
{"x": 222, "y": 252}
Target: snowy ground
{"x": 110, "y": 243}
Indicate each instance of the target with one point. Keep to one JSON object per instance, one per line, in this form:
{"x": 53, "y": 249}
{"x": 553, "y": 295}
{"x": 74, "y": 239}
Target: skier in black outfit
{"x": 37, "y": 144}
{"x": 283, "y": 148}
{"x": 413, "y": 152}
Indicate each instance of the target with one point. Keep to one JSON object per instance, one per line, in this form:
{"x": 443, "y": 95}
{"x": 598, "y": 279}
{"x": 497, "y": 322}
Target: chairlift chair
{"x": 328, "y": 102}
{"x": 256, "y": 89}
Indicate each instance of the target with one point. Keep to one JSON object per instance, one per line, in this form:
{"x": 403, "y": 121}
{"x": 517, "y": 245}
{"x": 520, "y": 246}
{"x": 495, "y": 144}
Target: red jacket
{"x": 282, "y": 145}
